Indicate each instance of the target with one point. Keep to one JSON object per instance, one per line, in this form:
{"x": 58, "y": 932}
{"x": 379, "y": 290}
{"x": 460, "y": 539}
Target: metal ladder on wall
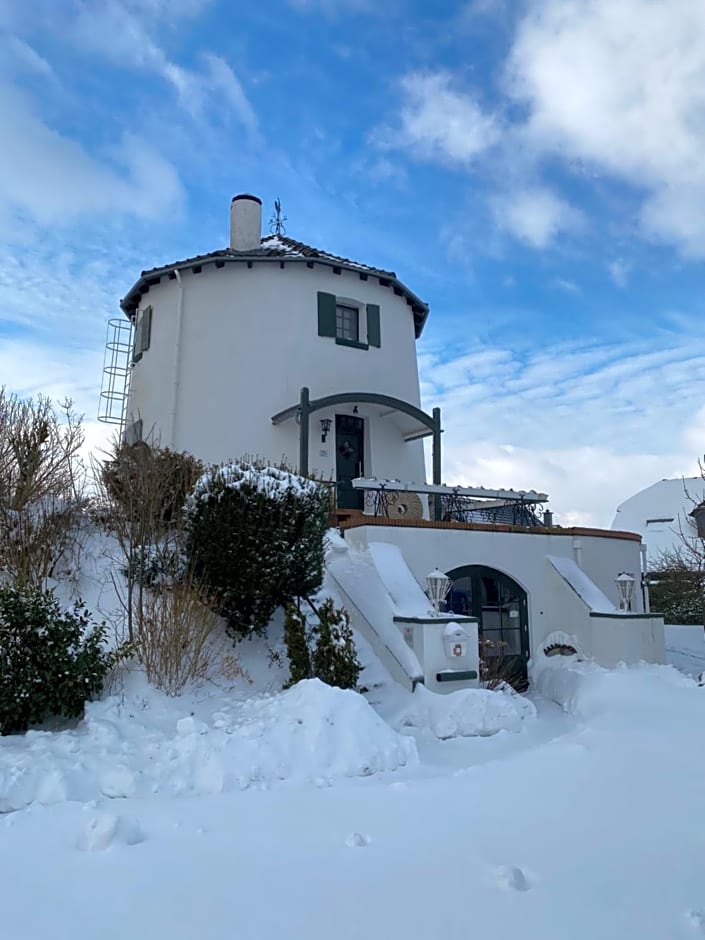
{"x": 117, "y": 370}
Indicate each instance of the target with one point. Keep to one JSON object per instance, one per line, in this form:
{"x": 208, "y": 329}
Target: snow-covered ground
{"x": 314, "y": 813}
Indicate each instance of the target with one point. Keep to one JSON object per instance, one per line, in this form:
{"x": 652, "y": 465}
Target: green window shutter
{"x": 374, "y": 335}
{"x": 326, "y": 314}
{"x": 137, "y": 344}
{"x": 146, "y": 328}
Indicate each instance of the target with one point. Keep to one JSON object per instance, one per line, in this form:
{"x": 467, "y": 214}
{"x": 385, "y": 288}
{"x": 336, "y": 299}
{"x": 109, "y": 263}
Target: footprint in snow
{"x": 513, "y": 878}
{"x": 106, "y": 830}
{"x": 357, "y": 840}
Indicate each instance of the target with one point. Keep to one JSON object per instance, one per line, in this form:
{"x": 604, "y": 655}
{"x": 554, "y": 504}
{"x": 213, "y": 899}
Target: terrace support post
{"x": 436, "y": 462}
{"x": 303, "y": 419}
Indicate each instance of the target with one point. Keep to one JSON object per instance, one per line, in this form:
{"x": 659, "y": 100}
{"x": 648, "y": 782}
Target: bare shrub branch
{"x": 179, "y": 639}
{"x": 497, "y": 668}
{"x": 142, "y": 491}
{"x": 42, "y": 485}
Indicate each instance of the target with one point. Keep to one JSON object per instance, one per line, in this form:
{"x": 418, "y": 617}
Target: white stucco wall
{"x": 627, "y": 640}
{"x": 249, "y": 342}
{"x": 552, "y": 604}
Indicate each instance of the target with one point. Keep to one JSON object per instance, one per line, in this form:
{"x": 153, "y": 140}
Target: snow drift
{"x": 464, "y": 713}
{"x": 145, "y": 746}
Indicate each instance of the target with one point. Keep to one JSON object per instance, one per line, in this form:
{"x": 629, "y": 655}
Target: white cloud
{"x": 439, "y": 121}
{"x": 590, "y": 424}
{"x": 619, "y": 271}
{"x": 568, "y": 287}
{"x": 170, "y": 11}
{"x": 616, "y": 89}
{"x": 585, "y": 484}
{"x": 336, "y": 6}
{"x": 216, "y": 83}
{"x": 476, "y": 8}
{"x": 125, "y": 33}
{"x": 29, "y": 368}
{"x": 535, "y": 215}
{"x": 18, "y": 53}
{"x": 53, "y": 178}
{"x": 621, "y": 86}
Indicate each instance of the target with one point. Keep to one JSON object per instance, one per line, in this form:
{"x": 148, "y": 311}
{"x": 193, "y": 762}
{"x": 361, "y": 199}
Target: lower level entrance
{"x": 349, "y": 459}
{"x": 501, "y": 608}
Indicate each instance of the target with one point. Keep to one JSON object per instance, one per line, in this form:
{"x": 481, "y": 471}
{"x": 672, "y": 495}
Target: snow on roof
{"x": 660, "y": 511}
{"x": 584, "y": 587}
{"x": 273, "y": 247}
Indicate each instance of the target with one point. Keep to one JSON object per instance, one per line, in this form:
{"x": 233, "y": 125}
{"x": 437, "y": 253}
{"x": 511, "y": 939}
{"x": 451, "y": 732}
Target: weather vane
{"x": 276, "y": 223}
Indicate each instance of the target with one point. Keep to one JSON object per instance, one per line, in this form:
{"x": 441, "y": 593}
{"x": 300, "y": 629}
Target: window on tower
{"x": 347, "y": 322}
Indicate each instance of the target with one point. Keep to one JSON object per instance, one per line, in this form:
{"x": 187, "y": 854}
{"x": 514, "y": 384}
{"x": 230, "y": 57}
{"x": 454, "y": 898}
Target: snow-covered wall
{"x": 249, "y": 341}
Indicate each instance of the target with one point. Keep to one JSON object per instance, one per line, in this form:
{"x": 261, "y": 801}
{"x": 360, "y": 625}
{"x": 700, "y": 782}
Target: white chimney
{"x": 245, "y": 222}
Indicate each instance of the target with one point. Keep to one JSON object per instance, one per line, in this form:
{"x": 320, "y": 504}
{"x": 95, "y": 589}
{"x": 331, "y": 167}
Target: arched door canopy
{"x": 308, "y": 406}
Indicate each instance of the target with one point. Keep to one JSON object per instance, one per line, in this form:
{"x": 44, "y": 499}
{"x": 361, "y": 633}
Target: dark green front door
{"x": 349, "y": 459}
{"x": 501, "y": 608}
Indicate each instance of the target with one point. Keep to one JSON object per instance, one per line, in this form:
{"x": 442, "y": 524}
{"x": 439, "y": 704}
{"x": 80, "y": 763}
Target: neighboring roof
{"x": 660, "y": 511}
{"x": 283, "y": 249}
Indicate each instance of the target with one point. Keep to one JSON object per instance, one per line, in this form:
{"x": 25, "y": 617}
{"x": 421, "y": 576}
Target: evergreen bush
{"x": 326, "y": 651}
{"x": 334, "y": 657}
{"x": 51, "y": 661}
{"x": 255, "y": 537}
{"x": 677, "y": 591}
{"x": 296, "y": 640}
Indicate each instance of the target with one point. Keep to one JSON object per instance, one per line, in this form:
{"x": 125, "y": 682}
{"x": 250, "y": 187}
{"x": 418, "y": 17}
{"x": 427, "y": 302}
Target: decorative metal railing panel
{"x": 456, "y": 508}
{"x": 394, "y": 499}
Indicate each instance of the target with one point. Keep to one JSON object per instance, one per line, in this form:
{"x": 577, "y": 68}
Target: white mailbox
{"x": 455, "y": 640}
{"x": 447, "y": 650}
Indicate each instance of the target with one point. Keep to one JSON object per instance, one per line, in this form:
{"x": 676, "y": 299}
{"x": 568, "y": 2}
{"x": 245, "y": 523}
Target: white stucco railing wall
{"x": 249, "y": 342}
{"x": 627, "y": 638}
{"x": 552, "y": 604}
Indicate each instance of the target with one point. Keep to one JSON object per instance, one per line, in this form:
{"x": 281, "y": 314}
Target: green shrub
{"x": 255, "y": 537}
{"x": 676, "y": 591}
{"x": 326, "y": 652}
{"x": 156, "y": 566}
{"x": 51, "y": 661}
{"x": 296, "y": 641}
{"x": 334, "y": 656}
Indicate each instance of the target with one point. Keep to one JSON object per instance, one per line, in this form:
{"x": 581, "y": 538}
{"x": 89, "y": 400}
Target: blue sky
{"x": 532, "y": 169}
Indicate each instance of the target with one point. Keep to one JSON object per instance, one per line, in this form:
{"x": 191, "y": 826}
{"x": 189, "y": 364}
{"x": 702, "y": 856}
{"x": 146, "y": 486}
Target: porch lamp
{"x": 625, "y": 589}
{"x": 437, "y": 588}
{"x": 325, "y": 428}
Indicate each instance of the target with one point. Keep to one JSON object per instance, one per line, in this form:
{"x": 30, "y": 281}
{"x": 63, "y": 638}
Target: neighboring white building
{"x": 661, "y": 513}
{"x": 272, "y": 348}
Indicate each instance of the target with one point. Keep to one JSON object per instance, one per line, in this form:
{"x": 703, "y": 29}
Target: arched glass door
{"x": 501, "y": 608}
